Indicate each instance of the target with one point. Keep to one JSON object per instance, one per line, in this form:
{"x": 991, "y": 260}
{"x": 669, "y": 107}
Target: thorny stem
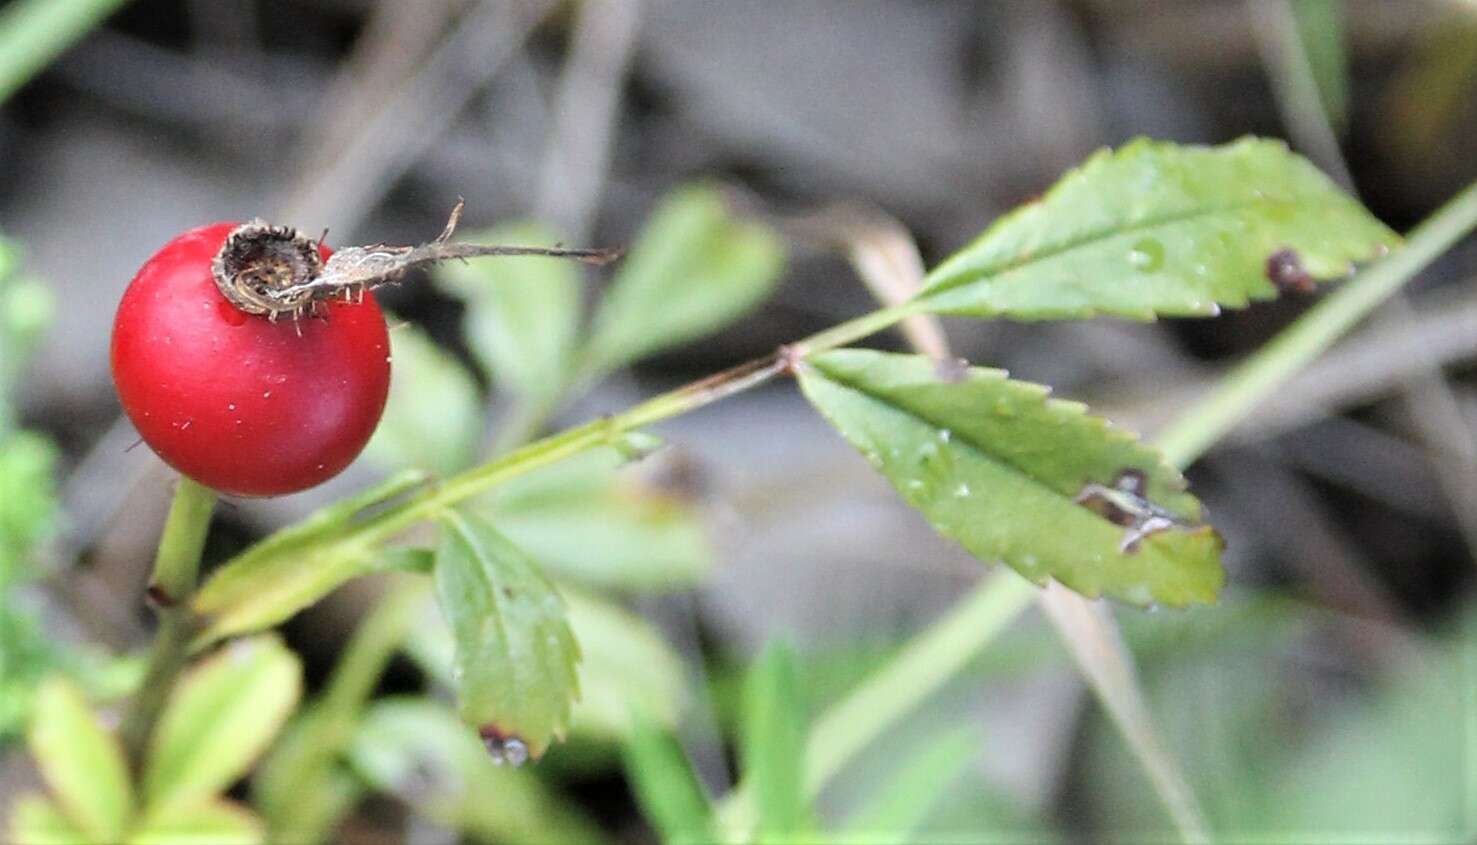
{"x": 176, "y": 569}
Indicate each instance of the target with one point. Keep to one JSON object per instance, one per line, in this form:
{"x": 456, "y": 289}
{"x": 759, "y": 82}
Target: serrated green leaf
{"x": 296, "y": 567}
{"x": 432, "y": 418}
{"x": 36, "y": 821}
{"x": 27, "y": 501}
{"x": 417, "y": 750}
{"x": 899, "y": 805}
{"x": 693, "y": 269}
{"x": 215, "y": 822}
{"x": 667, "y": 790}
{"x": 774, "y": 746}
{"x": 81, "y": 763}
{"x": 996, "y": 465}
{"x": 515, "y": 656}
{"x": 1159, "y": 229}
{"x": 523, "y": 312}
{"x": 624, "y": 663}
{"x": 597, "y": 520}
{"x": 220, "y": 717}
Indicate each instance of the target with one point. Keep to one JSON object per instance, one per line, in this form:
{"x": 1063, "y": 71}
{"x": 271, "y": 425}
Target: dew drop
{"x": 266, "y": 394}
{"x": 512, "y": 750}
{"x": 230, "y": 406}
{"x": 186, "y": 425}
{"x": 1146, "y": 255}
{"x": 944, "y": 435}
{"x": 277, "y": 378}
{"x": 962, "y": 490}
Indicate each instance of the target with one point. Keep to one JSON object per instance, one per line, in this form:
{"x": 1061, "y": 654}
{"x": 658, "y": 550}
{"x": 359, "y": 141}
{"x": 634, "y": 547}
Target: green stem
{"x": 176, "y": 569}
{"x": 374, "y": 642}
{"x": 924, "y": 665}
{"x": 609, "y": 431}
{"x": 1250, "y": 383}
{"x": 292, "y": 780}
{"x": 33, "y": 32}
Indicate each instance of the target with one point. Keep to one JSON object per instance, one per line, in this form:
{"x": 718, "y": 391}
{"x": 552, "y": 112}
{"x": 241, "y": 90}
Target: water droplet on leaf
{"x": 510, "y": 750}
{"x": 1146, "y": 255}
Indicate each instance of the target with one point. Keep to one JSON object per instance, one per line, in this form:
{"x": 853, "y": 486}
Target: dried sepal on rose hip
{"x": 240, "y": 400}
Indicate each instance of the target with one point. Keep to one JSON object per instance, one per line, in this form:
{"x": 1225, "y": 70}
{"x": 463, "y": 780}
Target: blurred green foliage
{"x": 216, "y": 722}
{"x": 1283, "y": 750}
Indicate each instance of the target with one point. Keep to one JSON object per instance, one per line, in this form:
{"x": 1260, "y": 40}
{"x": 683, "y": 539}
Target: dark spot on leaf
{"x": 157, "y": 597}
{"x": 951, "y": 370}
{"x": 1285, "y": 270}
{"x": 508, "y": 593}
{"x": 503, "y": 747}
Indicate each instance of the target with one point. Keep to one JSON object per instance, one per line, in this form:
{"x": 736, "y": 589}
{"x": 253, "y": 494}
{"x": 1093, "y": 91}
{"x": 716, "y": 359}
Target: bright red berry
{"x": 237, "y": 402}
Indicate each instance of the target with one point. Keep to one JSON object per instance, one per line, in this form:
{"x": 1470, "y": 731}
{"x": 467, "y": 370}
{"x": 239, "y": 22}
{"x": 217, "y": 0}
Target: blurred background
{"x": 1329, "y": 694}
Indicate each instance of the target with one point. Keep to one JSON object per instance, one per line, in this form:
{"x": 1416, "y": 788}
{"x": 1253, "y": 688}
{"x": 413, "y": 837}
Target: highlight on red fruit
{"x": 239, "y": 402}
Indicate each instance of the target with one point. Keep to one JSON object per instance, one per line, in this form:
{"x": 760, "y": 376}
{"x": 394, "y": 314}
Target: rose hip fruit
{"x": 235, "y": 401}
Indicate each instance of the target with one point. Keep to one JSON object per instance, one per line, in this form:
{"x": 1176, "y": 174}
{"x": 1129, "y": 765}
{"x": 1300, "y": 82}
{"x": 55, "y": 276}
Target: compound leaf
{"x": 1155, "y": 228}
{"x": 1014, "y": 476}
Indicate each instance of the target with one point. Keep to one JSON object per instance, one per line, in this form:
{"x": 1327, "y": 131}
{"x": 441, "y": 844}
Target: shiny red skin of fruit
{"x": 238, "y": 403}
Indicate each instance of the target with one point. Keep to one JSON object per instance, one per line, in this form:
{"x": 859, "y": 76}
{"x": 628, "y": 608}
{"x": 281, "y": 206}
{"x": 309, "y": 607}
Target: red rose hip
{"x": 236, "y": 401}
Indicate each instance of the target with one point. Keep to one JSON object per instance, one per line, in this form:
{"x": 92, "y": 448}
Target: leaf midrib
{"x": 473, "y": 543}
{"x": 949, "y": 283}
{"x": 989, "y": 456}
